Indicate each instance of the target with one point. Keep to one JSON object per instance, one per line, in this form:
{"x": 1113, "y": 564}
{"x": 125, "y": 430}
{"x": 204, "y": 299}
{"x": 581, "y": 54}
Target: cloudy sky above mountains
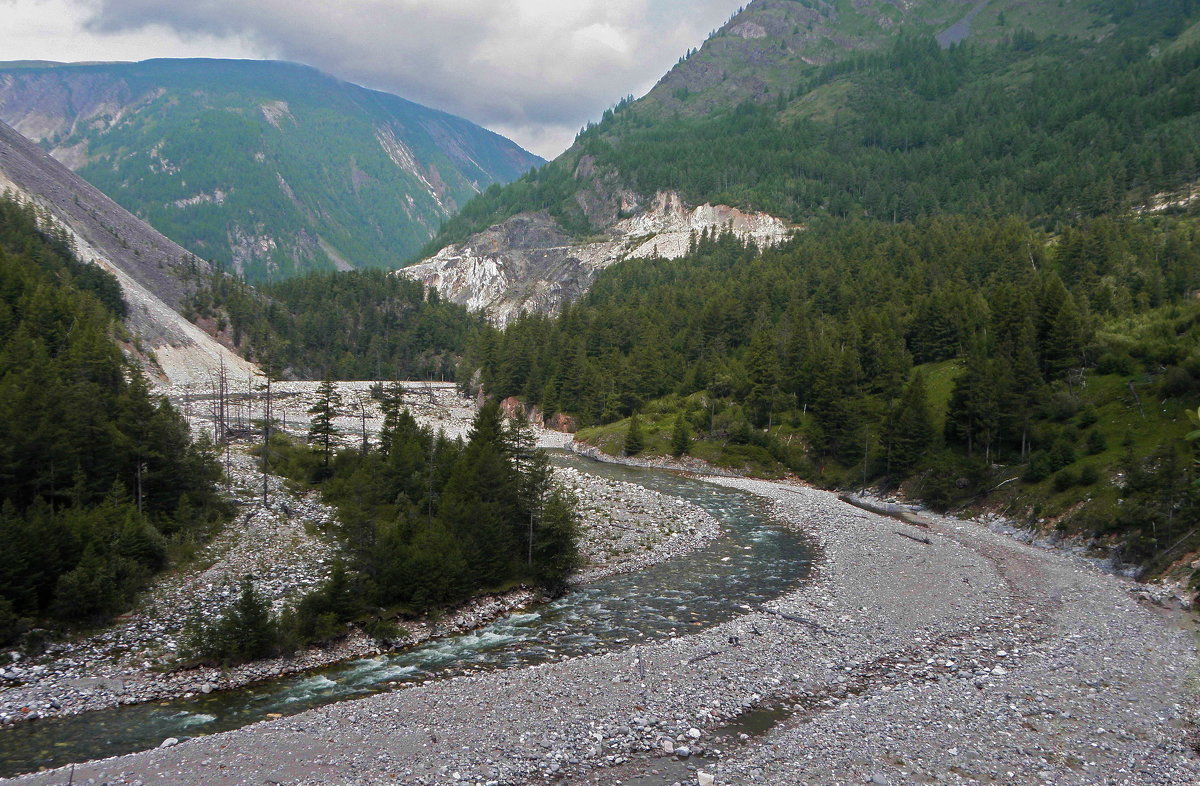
{"x": 533, "y": 70}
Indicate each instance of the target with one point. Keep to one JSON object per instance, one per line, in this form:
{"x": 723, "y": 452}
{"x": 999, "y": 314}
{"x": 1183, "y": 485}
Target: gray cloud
{"x": 536, "y": 70}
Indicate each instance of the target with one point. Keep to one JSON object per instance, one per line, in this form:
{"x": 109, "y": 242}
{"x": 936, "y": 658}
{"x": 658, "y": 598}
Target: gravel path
{"x": 973, "y": 659}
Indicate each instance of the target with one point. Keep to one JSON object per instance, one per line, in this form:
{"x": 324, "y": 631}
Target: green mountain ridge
{"x": 993, "y": 305}
{"x": 804, "y": 108}
{"x": 269, "y": 168}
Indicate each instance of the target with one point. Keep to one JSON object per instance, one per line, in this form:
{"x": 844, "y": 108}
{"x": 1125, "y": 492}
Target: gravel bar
{"x": 288, "y": 548}
{"x": 969, "y": 659}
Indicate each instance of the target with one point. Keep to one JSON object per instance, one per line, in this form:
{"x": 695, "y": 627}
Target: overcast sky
{"x": 533, "y": 70}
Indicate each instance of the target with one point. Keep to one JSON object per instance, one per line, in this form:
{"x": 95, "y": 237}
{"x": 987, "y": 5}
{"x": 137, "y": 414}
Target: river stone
{"x": 705, "y": 778}
{"x": 169, "y": 742}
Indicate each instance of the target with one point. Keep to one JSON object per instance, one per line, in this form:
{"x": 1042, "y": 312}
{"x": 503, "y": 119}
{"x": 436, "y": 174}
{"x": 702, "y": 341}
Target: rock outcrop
{"x": 528, "y": 264}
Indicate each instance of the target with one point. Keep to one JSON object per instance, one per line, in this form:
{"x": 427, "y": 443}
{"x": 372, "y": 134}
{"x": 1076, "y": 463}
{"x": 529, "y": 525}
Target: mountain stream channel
{"x": 755, "y": 561}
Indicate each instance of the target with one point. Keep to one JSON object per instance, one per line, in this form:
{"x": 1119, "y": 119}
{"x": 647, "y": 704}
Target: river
{"x": 754, "y": 562}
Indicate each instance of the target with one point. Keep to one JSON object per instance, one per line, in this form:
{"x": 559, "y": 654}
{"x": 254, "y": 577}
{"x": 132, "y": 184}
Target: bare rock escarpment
{"x": 529, "y": 264}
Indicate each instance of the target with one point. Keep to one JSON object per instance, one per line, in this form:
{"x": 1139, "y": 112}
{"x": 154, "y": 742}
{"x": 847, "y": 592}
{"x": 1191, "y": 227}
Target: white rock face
{"x": 527, "y": 265}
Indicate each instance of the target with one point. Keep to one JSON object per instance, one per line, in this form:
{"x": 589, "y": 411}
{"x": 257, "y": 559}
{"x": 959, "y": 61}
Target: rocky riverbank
{"x": 287, "y": 546}
{"x": 944, "y": 655}
{"x": 681, "y": 464}
{"x": 283, "y": 544}
{"x": 627, "y": 527}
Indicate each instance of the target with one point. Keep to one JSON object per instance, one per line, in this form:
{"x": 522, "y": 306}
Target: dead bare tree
{"x": 362, "y": 411}
{"x": 222, "y": 415}
{"x": 266, "y": 453}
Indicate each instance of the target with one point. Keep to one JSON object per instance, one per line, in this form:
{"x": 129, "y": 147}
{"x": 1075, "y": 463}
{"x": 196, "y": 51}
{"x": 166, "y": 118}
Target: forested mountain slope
{"x": 268, "y": 168}
{"x": 969, "y": 361}
{"x": 992, "y": 303}
{"x": 802, "y": 109}
{"x": 96, "y": 475}
{"x": 361, "y": 325}
{"x": 156, "y": 276}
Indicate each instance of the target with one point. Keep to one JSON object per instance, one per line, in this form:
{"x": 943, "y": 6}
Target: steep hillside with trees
{"x": 270, "y": 169}
{"x": 808, "y": 109}
{"x": 366, "y": 324}
{"x": 992, "y": 301}
{"x": 97, "y": 476}
{"x": 155, "y": 275}
{"x": 967, "y": 360}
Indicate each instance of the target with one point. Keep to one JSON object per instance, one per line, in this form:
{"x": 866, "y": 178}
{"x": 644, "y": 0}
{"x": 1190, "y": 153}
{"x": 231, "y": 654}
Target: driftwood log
{"x": 885, "y": 509}
{"x": 794, "y": 618}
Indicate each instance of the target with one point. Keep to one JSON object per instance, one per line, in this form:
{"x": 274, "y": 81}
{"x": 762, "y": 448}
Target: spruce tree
{"x": 323, "y": 429}
{"x": 555, "y": 554}
{"x": 1022, "y": 388}
{"x": 974, "y": 413}
{"x": 480, "y": 501}
{"x": 248, "y": 625}
{"x": 908, "y": 430}
{"x": 681, "y": 436}
{"x": 762, "y": 374}
{"x": 634, "y": 442}
{"x": 534, "y": 476}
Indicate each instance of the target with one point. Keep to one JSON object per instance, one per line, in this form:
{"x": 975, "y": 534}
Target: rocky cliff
{"x": 155, "y": 274}
{"x": 527, "y": 263}
{"x": 750, "y": 120}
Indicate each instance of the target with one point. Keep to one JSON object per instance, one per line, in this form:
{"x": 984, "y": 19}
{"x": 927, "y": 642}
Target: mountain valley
{"x": 828, "y": 414}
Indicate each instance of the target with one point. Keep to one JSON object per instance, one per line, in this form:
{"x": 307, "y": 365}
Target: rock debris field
{"x": 972, "y": 658}
{"x": 288, "y": 547}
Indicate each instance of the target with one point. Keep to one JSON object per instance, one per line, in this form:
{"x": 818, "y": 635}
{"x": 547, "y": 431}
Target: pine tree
{"x": 838, "y": 407}
{"x": 1064, "y": 341}
{"x": 323, "y": 428}
{"x": 555, "y": 554}
{"x": 762, "y": 375}
{"x": 974, "y": 413}
{"x": 908, "y": 430}
{"x": 681, "y": 436}
{"x": 248, "y": 624}
{"x": 534, "y": 476}
{"x": 1023, "y": 388}
{"x": 634, "y": 442}
{"x": 480, "y": 501}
